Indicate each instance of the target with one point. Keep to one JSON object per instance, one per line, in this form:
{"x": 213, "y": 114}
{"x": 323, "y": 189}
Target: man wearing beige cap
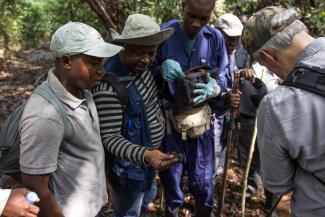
{"x": 290, "y": 119}
{"x": 261, "y": 81}
{"x": 61, "y": 153}
{"x": 231, "y": 28}
{"x": 132, "y": 132}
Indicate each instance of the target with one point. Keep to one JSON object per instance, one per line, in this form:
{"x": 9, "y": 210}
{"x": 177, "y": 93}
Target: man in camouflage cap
{"x": 290, "y": 119}
{"x": 260, "y": 27}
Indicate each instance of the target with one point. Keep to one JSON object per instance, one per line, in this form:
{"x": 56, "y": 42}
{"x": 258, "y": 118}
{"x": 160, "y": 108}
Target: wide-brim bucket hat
{"x": 141, "y": 30}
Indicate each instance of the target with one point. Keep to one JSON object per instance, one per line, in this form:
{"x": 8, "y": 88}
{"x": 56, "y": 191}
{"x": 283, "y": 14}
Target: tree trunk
{"x": 5, "y": 36}
{"x": 6, "y": 41}
{"x": 110, "y": 12}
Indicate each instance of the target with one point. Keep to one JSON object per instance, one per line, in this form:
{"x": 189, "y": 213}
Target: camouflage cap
{"x": 260, "y": 28}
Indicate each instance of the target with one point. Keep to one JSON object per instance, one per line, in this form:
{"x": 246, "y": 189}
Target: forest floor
{"x": 17, "y": 76}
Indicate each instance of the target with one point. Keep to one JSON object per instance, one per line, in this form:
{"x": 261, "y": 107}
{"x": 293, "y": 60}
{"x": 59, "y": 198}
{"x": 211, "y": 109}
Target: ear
{"x": 66, "y": 62}
{"x": 268, "y": 57}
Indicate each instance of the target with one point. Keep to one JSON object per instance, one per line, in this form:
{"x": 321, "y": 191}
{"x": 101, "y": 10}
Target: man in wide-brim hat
{"x": 132, "y": 133}
{"x": 141, "y": 30}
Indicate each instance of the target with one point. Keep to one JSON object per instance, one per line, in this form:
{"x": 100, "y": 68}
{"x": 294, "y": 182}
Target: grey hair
{"x": 283, "y": 39}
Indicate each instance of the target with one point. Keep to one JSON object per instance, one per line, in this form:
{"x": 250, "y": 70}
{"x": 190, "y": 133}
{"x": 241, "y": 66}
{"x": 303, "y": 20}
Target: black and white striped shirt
{"x": 110, "y": 115}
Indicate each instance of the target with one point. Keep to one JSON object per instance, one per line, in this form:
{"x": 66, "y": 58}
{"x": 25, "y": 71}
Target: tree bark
{"x": 6, "y": 41}
{"x": 110, "y": 12}
{"x": 5, "y": 36}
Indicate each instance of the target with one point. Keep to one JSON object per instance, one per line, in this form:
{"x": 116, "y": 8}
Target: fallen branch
{"x": 99, "y": 7}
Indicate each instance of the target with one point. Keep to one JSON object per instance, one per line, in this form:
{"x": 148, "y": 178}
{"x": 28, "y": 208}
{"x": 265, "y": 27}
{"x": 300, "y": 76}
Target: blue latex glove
{"x": 206, "y": 91}
{"x": 171, "y": 70}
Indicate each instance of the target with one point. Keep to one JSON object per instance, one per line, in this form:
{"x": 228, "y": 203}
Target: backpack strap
{"x": 45, "y": 91}
{"x": 118, "y": 86}
{"x": 307, "y": 78}
{"x": 310, "y": 79}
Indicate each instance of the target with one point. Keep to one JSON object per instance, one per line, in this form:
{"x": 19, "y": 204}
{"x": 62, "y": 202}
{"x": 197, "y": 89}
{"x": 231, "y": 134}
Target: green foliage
{"x": 30, "y": 23}
{"x": 161, "y": 10}
{"x": 9, "y": 24}
{"x": 34, "y": 24}
{"x": 315, "y": 19}
{"x": 312, "y": 12}
{"x": 64, "y": 11}
{"x": 167, "y": 10}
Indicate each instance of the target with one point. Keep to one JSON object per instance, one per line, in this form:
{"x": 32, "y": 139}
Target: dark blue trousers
{"x": 199, "y": 164}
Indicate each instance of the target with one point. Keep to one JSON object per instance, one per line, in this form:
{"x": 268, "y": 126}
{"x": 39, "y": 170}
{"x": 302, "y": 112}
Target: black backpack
{"x": 9, "y": 134}
{"x": 308, "y": 78}
{"x": 183, "y": 98}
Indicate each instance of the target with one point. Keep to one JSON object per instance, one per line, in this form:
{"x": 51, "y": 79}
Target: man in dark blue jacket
{"x": 132, "y": 132}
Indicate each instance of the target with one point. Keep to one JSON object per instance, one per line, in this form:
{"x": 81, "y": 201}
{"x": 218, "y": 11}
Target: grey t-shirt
{"x": 291, "y": 132}
{"x": 73, "y": 156}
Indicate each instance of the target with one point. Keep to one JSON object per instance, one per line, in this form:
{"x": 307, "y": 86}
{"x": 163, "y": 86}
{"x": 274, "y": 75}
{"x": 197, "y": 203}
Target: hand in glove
{"x": 206, "y": 91}
{"x": 171, "y": 70}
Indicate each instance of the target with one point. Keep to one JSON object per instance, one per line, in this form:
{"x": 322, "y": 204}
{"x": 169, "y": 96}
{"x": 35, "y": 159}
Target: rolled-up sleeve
{"x": 277, "y": 168}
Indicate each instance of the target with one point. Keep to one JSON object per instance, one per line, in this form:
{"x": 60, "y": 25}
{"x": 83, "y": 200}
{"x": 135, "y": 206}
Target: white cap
{"x": 79, "y": 38}
{"x": 230, "y": 24}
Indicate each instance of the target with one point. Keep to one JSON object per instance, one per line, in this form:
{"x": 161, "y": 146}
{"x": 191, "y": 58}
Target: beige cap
{"x": 230, "y": 24}
{"x": 79, "y": 38}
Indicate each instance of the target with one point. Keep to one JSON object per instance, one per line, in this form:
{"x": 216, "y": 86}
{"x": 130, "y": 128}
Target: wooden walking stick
{"x": 249, "y": 160}
{"x": 230, "y": 142}
{"x": 248, "y": 164}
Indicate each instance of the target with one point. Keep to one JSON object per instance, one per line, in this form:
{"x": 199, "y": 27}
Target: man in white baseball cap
{"x": 231, "y": 28}
{"x": 78, "y": 38}
{"x": 62, "y": 156}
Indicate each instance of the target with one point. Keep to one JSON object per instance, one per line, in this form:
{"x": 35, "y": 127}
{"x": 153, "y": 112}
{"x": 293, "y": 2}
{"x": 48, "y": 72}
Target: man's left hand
{"x": 248, "y": 75}
{"x": 159, "y": 160}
